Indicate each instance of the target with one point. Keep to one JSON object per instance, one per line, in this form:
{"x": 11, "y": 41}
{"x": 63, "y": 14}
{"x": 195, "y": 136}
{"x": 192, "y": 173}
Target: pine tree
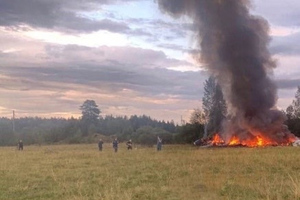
{"x": 296, "y": 103}
{"x": 293, "y": 111}
{"x": 214, "y": 106}
{"x": 90, "y": 115}
{"x": 293, "y": 114}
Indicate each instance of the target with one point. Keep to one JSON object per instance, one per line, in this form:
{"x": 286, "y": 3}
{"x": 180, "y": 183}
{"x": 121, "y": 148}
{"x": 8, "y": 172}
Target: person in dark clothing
{"x": 20, "y": 145}
{"x": 129, "y": 145}
{"x": 100, "y": 144}
{"x": 159, "y": 143}
{"x": 115, "y": 145}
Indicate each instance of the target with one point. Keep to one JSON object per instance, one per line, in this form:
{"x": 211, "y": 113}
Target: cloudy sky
{"x": 124, "y": 54}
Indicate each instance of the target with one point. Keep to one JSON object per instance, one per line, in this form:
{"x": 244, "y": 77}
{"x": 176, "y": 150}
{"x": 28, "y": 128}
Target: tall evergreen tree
{"x": 214, "y": 106}
{"x": 296, "y": 103}
{"x": 207, "y": 100}
{"x": 293, "y": 111}
{"x": 90, "y": 115}
{"x": 293, "y": 114}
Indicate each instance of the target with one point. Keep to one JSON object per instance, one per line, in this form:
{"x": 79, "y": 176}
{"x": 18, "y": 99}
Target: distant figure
{"x": 20, "y": 145}
{"x": 129, "y": 145}
{"x": 159, "y": 143}
{"x": 100, "y": 144}
{"x": 115, "y": 145}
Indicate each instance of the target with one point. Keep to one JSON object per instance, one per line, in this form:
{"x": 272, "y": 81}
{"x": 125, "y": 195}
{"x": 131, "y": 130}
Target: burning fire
{"x": 257, "y": 141}
{"x": 217, "y": 140}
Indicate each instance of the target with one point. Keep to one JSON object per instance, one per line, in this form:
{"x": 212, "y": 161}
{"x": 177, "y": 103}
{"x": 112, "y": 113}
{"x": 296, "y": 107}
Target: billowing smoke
{"x": 234, "y": 48}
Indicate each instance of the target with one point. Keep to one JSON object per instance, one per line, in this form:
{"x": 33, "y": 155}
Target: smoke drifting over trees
{"x": 234, "y": 49}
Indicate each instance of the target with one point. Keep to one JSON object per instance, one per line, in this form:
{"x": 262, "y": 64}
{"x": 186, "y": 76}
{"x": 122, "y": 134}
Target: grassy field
{"x": 81, "y": 172}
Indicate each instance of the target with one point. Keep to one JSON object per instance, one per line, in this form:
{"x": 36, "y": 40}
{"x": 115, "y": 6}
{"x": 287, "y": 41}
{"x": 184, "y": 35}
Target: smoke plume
{"x": 234, "y": 49}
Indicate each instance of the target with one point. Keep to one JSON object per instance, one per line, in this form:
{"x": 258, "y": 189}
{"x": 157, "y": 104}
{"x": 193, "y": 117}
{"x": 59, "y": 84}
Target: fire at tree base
{"x": 254, "y": 141}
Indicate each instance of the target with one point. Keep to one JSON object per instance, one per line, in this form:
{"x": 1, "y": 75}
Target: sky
{"x": 127, "y": 55}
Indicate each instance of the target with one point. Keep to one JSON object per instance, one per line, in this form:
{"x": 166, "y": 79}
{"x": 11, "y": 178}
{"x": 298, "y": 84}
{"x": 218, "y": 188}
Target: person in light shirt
{"x": 159, "y": 143}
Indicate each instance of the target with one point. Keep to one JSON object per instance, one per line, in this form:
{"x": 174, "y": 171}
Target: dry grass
{"x": 80, "y": 172}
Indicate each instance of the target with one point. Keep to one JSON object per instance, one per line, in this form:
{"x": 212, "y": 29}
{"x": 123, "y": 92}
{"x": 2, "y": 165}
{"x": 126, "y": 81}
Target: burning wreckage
{"x": 253, "y": 141}
{"x": 233, "y": 46}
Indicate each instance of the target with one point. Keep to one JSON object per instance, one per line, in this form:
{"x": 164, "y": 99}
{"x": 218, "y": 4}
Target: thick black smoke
{"x": 234, "y": 47}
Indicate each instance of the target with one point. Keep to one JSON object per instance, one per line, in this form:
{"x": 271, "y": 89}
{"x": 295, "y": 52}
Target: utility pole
{"x": 182, "y": 121}
{"x": 13, "y": 121}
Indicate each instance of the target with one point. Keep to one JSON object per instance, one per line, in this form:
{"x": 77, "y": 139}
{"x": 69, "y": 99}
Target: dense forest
{"x": 141, "y": 129}
{"x": 92, "y": 126}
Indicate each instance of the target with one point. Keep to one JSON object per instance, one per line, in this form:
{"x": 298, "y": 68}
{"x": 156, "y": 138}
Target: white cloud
{"x": 283, "y": 31}
{"x": 95, "y": 39}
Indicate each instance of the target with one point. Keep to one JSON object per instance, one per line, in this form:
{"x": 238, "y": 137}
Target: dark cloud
{"x": 86, "y": 25}
{"x": 140, "y": 32}
{"x": 287, "y": 45}
{"x": 127, "y": 56}
{"x": 56, "y": 14}
{"x": 106, "y": 78}
{"x": 109, "y": 69}
{"x": 72, "y": 17}
{"x": 287, "y": 83}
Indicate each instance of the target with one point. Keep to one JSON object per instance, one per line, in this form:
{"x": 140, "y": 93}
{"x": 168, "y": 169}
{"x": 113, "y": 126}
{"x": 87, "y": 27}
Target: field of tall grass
{"x": 81, "y": 172}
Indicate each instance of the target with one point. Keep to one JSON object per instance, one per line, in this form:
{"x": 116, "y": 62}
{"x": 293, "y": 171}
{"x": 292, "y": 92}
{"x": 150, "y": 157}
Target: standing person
{"x": 129, "y": 145}
{"x": 100, "y": 144}
{"x": 20, "y": 145}
{"x": 115, "y": 145}
{"x": 159, "y": 143}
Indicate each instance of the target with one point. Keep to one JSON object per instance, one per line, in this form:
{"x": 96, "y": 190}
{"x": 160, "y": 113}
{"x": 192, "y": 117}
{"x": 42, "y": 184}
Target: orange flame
{"x": 257, "y": 141}
{"x": 234, "y": 141}
{"x": 217, "y": 140}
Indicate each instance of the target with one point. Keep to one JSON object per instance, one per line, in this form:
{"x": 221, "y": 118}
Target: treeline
{"x": 293, "y": 114}
{"x": 141, "y": 129}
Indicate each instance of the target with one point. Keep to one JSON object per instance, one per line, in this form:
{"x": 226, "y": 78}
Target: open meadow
{"x": 81, "y": 172}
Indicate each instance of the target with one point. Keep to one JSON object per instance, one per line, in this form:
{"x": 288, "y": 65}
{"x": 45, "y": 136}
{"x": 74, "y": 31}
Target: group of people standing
{"x": 115, "y": 144}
